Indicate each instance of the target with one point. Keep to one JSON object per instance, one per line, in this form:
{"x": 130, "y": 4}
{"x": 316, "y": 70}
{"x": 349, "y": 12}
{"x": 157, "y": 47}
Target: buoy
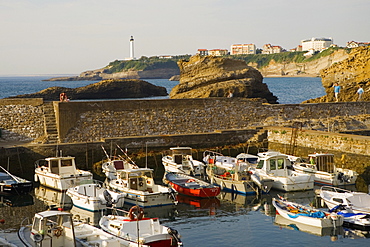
{"x": 2, "y": 221}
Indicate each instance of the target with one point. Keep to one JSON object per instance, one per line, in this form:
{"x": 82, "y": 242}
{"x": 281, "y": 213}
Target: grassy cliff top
{"x": 261, "y": 60}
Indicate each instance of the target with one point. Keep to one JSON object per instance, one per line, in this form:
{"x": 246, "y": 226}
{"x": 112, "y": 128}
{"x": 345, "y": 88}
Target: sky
{"x": 57, "y": 37}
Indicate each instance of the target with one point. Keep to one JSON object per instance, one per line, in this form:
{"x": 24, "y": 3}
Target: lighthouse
{"x": 132, "y": 47}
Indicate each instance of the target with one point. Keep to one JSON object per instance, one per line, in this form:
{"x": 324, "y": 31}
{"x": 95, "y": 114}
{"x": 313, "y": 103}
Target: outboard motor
{"x": 108, "y": 198}
{"x": 172, "y": 194}
{"x": 175, "y": 236}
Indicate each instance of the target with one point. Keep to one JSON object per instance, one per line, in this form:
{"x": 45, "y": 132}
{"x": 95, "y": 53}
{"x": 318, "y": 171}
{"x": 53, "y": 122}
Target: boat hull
{"x": 190, "y": 186}
{"x": 16, "y": 189}
{"x": 61, "y": 183}
{"x": 229, "y": 185}
{"x": 328, "y": 221}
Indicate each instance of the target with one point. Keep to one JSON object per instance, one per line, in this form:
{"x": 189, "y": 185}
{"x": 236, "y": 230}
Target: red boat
{"x": 190, "y": 186}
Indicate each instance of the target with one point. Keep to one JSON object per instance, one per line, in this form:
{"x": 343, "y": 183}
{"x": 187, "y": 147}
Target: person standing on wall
{"x": 336, "y": 91}
{"x": 360, "y": 91}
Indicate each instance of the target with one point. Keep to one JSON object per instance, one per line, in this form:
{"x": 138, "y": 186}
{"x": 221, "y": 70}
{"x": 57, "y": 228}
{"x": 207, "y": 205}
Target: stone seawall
{"x": 21, "y": 119}
{"x": 95, "y": 120}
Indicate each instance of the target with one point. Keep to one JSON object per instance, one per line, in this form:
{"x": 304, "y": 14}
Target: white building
{"x": 316, "y": 44}
{"x": 239, "y": 49}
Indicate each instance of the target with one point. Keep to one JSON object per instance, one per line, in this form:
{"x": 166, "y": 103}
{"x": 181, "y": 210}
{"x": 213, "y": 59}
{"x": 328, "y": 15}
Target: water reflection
{"x": 52, "y": 198}
{"x": 16, "y": 200}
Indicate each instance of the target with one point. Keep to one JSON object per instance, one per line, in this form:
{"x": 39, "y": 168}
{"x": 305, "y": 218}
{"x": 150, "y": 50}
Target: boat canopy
{"x": 323, "y": 162}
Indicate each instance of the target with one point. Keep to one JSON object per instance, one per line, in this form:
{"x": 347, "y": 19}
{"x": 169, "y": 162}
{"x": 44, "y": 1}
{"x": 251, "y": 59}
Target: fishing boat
{"x": 56, "y": 228}
{"x": 353, "y": 220}
{"x": 13, "y": 185}
{"x": 275, "y": 166}
{"x": 304, "y": 215}
{"x": 181, "y": 161}
{"x": 323, "y": 168}
{"x": 358, "y": 202}
{"x": 140, "y": 189}
{"x": 116, "y": 163}
{"x": 94, "y": 197}
{"x": 60, "y": 173}
{"x": 233, "y": 175}
{"x": 134, "y": 227}
{"x": 190, "y": 186}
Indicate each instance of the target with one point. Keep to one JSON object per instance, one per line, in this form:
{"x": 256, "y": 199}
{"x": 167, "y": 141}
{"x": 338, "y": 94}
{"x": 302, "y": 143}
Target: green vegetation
{"x": 262, "y": 60}
{"x": 144, "y": 63}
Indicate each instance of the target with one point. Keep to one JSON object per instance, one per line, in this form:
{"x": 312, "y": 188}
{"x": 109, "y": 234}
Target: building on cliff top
{"x": 239, "y": 49}
{"x": 316, "y": 44}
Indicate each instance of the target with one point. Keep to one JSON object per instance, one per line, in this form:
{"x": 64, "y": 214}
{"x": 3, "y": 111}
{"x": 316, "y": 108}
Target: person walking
{"x": 336, "y": 91}
{"x": 360, "y": 92}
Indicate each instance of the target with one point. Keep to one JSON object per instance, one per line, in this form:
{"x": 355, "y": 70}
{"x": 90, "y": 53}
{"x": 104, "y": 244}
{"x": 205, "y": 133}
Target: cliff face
{"x": 311, "y": 68}
{"x": 208, "y": 76}
{"x": 106, "y": 89}
{"x": 349, "y": 74}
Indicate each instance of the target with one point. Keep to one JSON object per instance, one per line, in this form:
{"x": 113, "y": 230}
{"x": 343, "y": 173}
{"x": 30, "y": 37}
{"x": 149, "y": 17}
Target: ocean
{"x": 229, "y": 220}
{"x": 289, "y": 90}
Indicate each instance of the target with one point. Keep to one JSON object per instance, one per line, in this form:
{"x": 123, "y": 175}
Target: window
{"x": 280, "y": 162}
{"x": 260, "y": 164}
{"x": 273, "y": 164}
{"x": 53, "y": 163}
{"x": 66, "y": 163}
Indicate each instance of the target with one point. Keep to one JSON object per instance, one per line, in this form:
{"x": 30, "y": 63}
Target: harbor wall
{"x": 21, "y": 119}
{"x": 95, "y": 120}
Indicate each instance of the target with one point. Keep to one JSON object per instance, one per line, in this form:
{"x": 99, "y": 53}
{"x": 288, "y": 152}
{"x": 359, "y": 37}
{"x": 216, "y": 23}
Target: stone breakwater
{"x": 91, "y": 121}
{"x": 21, "y": 120}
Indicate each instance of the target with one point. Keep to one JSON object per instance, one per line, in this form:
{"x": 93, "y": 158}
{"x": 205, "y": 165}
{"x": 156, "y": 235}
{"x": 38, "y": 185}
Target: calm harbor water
{"x": 229, "y": 220}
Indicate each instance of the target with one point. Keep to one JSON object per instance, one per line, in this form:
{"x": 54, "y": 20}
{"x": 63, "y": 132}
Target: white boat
{"x": 358, "y": 202}
{"x": 60, "y": 173}
{"x": 248, "y": 158}
{"x": 94, "y": 197}
{"x": 117, "y": 163}
{"x": 234, "y": 175}
{"x": 181, "y": 161}
{"x": 308, "y": 216}
{"x": 134, "y": 227}
{"x": 322, "y": 166}
{"x": 351, "y": 219}
{"x": 275, "y": 166}
{"x": 140, "y": 188}
{"x": 56, "y": 228}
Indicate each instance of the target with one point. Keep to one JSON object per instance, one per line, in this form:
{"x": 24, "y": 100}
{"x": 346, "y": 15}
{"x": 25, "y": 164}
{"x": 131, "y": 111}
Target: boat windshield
{"x": 260, "y": 164}
{"x": 66, "y": 163}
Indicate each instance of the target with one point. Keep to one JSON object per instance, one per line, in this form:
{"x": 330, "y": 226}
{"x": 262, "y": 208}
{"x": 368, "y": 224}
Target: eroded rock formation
{"x": 208, "y": 76}
{"x": 349, "y": 74}
{"x": 106, "y": 89}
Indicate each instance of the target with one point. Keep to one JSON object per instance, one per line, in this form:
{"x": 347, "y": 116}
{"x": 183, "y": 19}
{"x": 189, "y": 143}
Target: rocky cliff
{"x": 106, "y": 89}
{"x": 349, "y": 74}
{"x": 208, "y": 76}
{"x": 308, "y": 68}
{"x": 102, "y": 74}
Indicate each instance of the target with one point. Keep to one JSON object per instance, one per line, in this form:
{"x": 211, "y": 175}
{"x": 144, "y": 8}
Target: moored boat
{"x": 275, "y": 166}
{"x": 304, "y": 215}
{"x": 140, "y": 188}
{"x": 56, "y": 228}
{"x": 358, "y": 202}
{"x": 13, "y": 185}
{"x": 134, "y": 227}
{"x": 190, "y": 186}
{"x": 353, "y": 220}
{"x": 233, "y": 175}
{"x": 94, "y": 197}
{"x": 181, "y": 161}
{"x": 60, "y": 173}
{"x": 323, "y": 168}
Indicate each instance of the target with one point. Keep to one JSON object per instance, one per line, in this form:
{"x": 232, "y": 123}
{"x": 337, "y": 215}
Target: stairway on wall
{"x": 51, "y": 131}
{"x": 260, "y": 137}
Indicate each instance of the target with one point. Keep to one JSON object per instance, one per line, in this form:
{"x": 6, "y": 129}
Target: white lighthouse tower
{"x": 132, "y": 48}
